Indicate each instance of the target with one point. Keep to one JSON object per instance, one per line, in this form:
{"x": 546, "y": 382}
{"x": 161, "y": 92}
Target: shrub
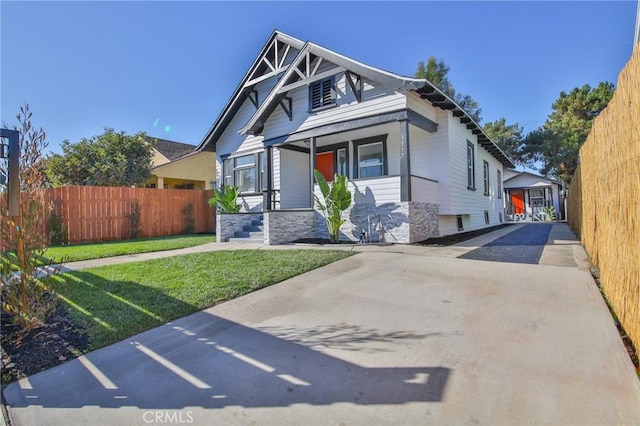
{"x": 133, "y": 220}
{"x": 189, "y": 220}
{"x": 226, "y": 199}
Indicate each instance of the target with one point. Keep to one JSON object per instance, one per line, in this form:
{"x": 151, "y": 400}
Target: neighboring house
{"x": 178, "y": 166}
{"x": 528, "y": 194}
{"x": 418, "y": 165}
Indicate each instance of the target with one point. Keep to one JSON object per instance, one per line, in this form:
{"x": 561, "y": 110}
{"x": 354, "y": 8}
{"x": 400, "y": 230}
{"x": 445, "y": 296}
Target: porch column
{"x": 268, "y": 195}
{"x": 405, "y": 162}
{"x": 160, "y": 184}
{"x": 312, "y": 166}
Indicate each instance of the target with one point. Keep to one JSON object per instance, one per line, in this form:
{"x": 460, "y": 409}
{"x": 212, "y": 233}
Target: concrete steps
{"x": 250, "y": 233}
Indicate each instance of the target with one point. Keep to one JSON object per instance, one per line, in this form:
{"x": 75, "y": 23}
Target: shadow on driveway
{"x": 524, "y": 245}
{"x": 207, "y": 361}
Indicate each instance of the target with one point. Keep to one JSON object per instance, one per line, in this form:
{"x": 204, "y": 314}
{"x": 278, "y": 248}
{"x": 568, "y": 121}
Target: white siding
{"x": 251, "y": 203}
{"x": 376, "y": 100}
{"x": 276, "y": 168}
{"x": 294, "y": 180}
{"x": 424, "y": 191}
{"x": 231, "y": 141}
{"x": 376, "y": 191}
{"x": 456, "y": 198}
{"x": 422, "y": 107}
{"x": 429, "y": 159}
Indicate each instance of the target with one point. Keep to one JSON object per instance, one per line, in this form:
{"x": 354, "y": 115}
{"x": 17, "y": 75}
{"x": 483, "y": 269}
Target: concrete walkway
{"x": 394, "y": 335}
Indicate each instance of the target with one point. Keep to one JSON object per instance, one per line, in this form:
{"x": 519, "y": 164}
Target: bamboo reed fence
{"x": 604, "y": 198}
{"x": 92, "y": 213}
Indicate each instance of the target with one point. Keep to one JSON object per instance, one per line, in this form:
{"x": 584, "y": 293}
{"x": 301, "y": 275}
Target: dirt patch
{"x": 57, "y": 341}
{"x": 458, "y": 238}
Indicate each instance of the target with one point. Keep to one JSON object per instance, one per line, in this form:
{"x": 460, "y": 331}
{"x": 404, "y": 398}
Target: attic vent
{"x": 321, "y": 94}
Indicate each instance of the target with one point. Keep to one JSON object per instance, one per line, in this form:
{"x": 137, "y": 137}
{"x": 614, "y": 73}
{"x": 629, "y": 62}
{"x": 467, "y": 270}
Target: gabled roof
{"x": 170, "y": 149}
{"x": 424, "y": 88}
{"x": 243, "y": 89}
{"x": 533, "y": 175}
{"x": 344, "y": 63}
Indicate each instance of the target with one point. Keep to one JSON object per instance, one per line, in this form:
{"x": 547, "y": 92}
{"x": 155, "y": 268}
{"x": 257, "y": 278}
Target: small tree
{"x": 110, "y": 159}
{"x": 226, "y": 199}
{"x": 27, "y": 294}
{"x": 337, "y": 199}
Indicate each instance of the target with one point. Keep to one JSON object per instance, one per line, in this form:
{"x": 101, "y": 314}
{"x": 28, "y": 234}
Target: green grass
{"x": 76, "y": 252}
{"x": 117, "y": 301}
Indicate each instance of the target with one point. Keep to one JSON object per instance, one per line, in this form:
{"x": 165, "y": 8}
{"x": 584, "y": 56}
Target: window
{"x": 243, "y": 172}
{"x": 499, "y": 180}
{"x": 486, "y": 217}
{"x": 370, "y": 157}
{"x": 537, "y": 197}
{"x": 471, "y": 167}
{"x": 341, "y": 162}
{"x": 322, "y": 94}
{"x": 370, "y": 161}
{"x": 485, "y": 174}
{"x": 459, "y": 222}
{"x": 332, "y": 160}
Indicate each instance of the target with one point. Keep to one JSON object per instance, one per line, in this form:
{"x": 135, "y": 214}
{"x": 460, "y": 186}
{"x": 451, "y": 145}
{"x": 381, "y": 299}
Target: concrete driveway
{"x": 383, "y": 337}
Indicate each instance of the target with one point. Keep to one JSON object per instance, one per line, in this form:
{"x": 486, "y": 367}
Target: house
{"x": 178, "y": 165}
{"x": 529, "y": 194}
{"x": 418, "y": 165}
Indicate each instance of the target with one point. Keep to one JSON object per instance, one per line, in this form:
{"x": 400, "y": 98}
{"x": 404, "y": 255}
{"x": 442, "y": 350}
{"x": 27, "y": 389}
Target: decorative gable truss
{"x": 272, "y": 63}
{"x": 274, "y": 59}
{"x": 313, "y": 64}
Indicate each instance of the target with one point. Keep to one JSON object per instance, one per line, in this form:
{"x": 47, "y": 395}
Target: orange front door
{"x": 517, "y": 199}
{"x": 324, "y": 164}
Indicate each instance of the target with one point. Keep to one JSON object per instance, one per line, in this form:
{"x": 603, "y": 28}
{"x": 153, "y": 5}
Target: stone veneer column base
{"x": 285, "y": 226}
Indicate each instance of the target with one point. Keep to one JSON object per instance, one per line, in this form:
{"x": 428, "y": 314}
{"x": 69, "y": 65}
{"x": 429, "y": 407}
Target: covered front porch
{"x": 529, "y": 204}
{"x": 393, "y": 198}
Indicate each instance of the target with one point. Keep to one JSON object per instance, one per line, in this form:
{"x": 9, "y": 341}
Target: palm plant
{"x": 226, "y": 199}
{"x": 337, "y": 199}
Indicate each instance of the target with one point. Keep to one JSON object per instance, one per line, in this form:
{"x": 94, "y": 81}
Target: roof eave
{"x": 238, "y": 96}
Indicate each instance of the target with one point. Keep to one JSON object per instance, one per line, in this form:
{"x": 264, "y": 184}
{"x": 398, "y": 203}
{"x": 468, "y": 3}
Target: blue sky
{"x": 168, "y": 68}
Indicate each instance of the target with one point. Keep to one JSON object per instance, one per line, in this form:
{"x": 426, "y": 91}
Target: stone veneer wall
{"x": 425, "y": 221}
{"x": 403, "y": 222}
{"x": 228, "y": 223}
{"x": 285, "y": 226}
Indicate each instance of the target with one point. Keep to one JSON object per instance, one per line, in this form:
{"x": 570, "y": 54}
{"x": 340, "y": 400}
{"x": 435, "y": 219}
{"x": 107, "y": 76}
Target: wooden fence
{"x": 95, "y": 213}
{"x": 604, "y": 198}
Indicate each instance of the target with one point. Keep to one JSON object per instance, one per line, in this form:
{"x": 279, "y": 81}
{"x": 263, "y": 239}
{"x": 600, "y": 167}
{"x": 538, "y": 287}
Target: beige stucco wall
{"x": 158, "y": 158}
{"x": 199, "y": 169}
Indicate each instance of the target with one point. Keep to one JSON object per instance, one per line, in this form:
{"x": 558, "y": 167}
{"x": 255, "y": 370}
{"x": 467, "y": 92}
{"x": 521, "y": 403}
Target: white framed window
{"x": 246, "y": 172}
{"x": 537, "y": 197}
{"x": 322, "y": 94}
{"x": 485, "y": 176}
{"x": 471, "y": 167}
{"x": 370, "y": 157}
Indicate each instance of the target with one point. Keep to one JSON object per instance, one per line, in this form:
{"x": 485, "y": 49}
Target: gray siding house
{"x": 418, "y": 165}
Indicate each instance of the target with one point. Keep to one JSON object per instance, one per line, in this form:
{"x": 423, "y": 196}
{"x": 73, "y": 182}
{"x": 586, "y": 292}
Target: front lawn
{"x": 76, "y": 252}
{"x": 117, "y": 301}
